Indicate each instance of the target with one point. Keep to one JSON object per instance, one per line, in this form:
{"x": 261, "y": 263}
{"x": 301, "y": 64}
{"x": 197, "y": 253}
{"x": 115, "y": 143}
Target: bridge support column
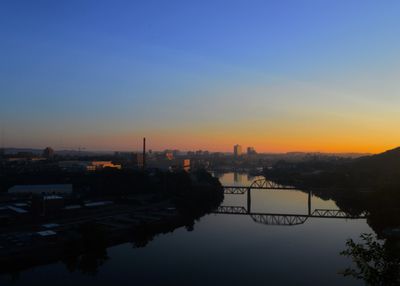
{"x": 248, "y": 200}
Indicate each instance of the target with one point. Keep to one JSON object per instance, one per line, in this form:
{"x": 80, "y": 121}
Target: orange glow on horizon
{"x": 224, "y": 143}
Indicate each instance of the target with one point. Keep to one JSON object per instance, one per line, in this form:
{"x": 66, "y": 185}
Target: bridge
{"x": 260, "y": 184}
{"x": 283, "y": 219}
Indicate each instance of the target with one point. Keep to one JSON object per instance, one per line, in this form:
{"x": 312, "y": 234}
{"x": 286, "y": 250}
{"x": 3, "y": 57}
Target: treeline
{"x": 375, "y": 172}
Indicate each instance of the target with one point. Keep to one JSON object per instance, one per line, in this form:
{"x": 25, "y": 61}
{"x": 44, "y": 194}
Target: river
{"x": 226, "y": 249}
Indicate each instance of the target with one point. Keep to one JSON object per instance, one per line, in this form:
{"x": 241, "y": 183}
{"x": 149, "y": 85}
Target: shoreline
{"x": 115, "y": 230}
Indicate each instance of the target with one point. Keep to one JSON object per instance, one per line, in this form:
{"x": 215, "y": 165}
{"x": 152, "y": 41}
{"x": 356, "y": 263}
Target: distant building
{"x": 98, "y": 165}
{"x": 75, "y": 166}
{"x": 171, "y": 165}
{"x": 179, "y": 164}
{"x": 60, "y": 189}
{"x": 186, "y": 165}
{"x": 169, "y": 155}
{"x": 217, "y": 154}
{"x": 48, "y": 153}
{"x": 251, "y": 151}
{"x": 237, "y": 150}
{"x": 82, "y": 166}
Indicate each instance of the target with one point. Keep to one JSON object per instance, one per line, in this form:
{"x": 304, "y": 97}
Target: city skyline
{"x": 280, "y": 76}
{"x": 249, "y": 150}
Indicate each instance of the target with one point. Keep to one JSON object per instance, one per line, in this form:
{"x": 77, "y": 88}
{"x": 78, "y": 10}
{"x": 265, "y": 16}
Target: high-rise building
{"x": 251, "y": 151}
{"x": 237, "y": 150}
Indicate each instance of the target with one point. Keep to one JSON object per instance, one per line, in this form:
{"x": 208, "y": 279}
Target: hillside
{"x": 375, "y": 171}
{"x": 384, "y": 162}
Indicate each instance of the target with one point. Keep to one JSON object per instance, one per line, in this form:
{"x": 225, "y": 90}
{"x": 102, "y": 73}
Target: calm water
{"x": 226, "y": 250}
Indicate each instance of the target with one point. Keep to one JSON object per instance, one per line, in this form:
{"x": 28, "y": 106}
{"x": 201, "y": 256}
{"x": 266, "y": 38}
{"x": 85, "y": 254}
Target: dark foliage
{"x": 377, "y": 263}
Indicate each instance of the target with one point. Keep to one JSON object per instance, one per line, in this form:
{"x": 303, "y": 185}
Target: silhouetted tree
{"x": 376, "y": 263}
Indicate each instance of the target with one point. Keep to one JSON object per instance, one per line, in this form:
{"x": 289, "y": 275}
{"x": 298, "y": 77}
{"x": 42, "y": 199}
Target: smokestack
{"x": 144, "y": 153}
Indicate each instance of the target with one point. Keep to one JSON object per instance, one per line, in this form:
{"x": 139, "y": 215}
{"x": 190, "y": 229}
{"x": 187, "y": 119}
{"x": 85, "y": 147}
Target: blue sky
{"x": 200, "y": 74}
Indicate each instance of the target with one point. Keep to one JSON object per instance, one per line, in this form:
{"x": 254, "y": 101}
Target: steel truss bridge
{"x": 276, "y": 218}
{"x": 260, "y": 184}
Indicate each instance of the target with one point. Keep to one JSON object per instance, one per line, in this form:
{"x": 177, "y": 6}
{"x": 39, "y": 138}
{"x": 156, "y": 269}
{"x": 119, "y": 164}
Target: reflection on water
{"x": 278, "y": 217}
{"x": 224, "y": 249}
{"x": 236, "y": 179}
{"x": 284, "y": 201}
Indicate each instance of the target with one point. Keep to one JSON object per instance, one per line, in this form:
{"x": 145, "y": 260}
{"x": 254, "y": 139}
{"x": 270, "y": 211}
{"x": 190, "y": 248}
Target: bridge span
{"x": 260, "y": 184}
{"x": 277, "y": 218}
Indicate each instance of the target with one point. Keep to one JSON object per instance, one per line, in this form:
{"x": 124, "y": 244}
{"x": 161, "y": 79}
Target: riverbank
{"x": 96, "y": 225}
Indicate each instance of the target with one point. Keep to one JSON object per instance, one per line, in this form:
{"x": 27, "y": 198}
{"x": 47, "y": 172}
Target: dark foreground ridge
{"x": 109, "y": 209}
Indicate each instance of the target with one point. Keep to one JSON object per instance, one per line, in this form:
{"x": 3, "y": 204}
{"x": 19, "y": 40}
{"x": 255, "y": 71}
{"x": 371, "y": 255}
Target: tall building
{"x": 251, "y": 151}
{"x": 237, "y": 150}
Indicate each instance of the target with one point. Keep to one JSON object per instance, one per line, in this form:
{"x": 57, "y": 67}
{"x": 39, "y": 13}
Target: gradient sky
{"x": 280, "y": 75}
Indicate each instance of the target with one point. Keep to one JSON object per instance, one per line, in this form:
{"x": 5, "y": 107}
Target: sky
{"x": 300, "y": 75}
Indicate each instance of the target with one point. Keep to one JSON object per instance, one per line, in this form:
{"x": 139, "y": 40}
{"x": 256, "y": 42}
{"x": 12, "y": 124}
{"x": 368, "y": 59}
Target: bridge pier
{"x": 248, "y": 200}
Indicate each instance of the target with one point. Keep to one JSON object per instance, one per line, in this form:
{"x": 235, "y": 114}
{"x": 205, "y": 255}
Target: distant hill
{"x": 380, "y": 170}
{"x": 38, "y": 152}
{"x": 374, "y": 171}
{"x": 367, "y": 184}
{"x": 384, "y": 162}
